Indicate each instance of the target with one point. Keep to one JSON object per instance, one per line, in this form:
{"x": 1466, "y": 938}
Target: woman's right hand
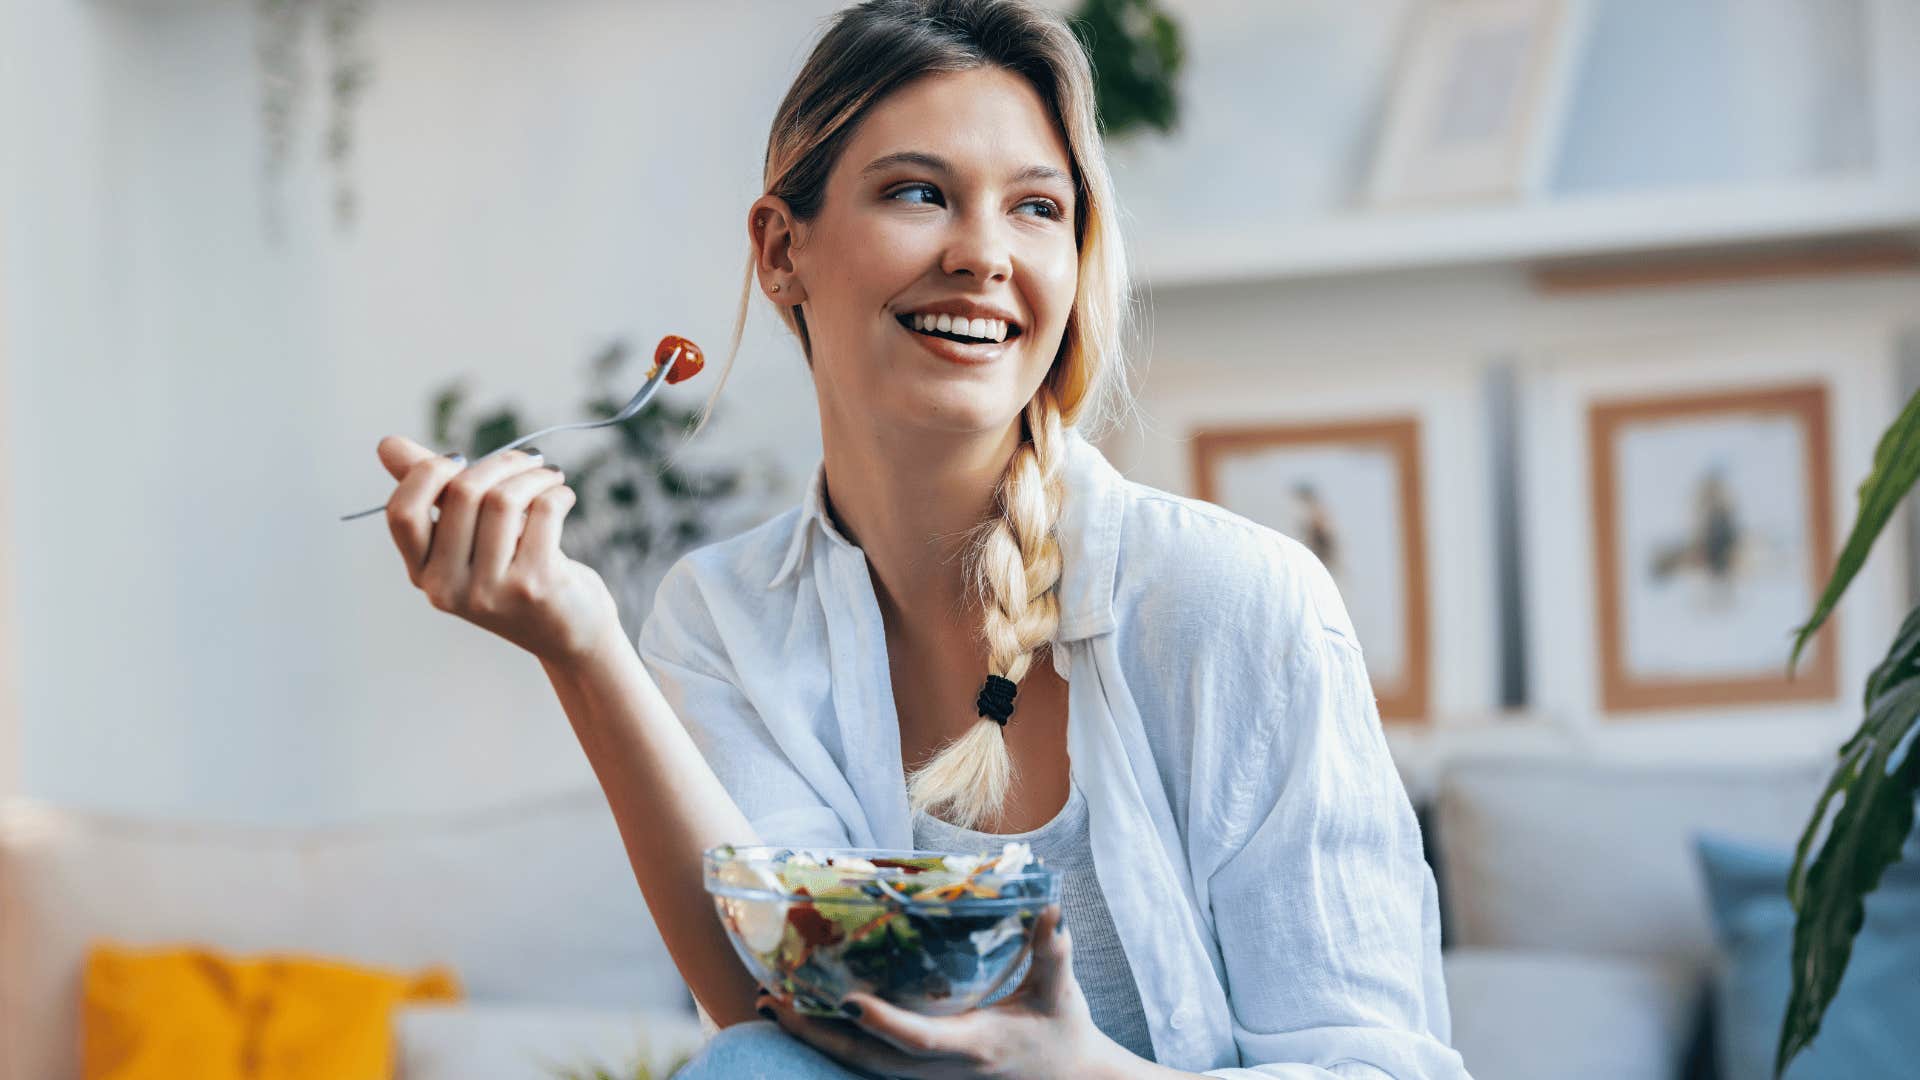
{"x": 493, "y": 558}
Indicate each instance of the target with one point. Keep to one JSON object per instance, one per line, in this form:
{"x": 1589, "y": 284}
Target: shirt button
{"x": 1179, "y": 1018}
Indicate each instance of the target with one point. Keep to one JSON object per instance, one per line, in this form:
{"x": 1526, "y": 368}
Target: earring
{"x": 776, "y": 286}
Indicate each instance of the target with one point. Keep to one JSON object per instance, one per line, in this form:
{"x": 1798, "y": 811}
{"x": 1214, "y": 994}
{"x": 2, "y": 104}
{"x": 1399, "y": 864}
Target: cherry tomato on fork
{"x": 685, "y": 366}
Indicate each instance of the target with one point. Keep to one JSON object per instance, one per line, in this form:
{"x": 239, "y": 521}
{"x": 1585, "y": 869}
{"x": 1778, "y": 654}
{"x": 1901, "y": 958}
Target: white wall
{"x": 193, "y": 408}
{"x": 9, "y": 636}
{"x": 63, "y": 288}
{"x": 189, "y": 407}
{"x": 1407, "y": 341}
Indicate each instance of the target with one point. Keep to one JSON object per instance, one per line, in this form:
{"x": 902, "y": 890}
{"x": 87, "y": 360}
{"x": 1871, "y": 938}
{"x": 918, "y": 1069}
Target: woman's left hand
{"x": 1041, "y": 1031}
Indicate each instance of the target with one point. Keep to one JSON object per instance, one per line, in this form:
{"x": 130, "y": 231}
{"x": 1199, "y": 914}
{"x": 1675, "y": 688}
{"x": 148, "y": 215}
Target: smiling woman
{"x": 933, "y": 224}
{"x": 974, "y": 629}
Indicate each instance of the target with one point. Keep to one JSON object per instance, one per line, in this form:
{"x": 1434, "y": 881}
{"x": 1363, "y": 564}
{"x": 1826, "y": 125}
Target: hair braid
{"x": 1015, "y": 569}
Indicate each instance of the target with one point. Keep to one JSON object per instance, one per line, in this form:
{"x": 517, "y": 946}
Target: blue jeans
{"x": 762, "y": 1050}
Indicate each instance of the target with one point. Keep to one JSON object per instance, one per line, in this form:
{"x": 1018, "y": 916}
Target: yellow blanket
{"x": 175, "y": 1013}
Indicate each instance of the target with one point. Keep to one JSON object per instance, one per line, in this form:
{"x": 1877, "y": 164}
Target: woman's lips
{"x": 959, "y": 352}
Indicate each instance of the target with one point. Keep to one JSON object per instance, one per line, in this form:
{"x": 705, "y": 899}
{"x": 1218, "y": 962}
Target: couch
{"x": 1576, "y": 923}
{"x": 533, "y": 905}
{"x": 1578, "y": 939}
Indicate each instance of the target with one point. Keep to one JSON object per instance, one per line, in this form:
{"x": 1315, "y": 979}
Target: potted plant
{"x": 1136, "y": 52}
{"x": 638, "y": 506}
{"x": 1878, "y": 774}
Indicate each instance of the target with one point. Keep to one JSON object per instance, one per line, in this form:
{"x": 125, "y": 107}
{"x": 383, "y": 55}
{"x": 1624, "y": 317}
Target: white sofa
{"x": 1576, "y": 921}
{"x": 1578, "y": 936}
{"x": 534, "y": 906}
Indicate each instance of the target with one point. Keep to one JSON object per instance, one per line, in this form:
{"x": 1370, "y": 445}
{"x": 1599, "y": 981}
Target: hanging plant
{"x": 279, "y": 30}
{"x": 1136, "y": 51}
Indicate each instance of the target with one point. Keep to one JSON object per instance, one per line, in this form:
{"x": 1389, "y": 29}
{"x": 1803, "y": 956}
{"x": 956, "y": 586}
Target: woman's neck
{"x": 911, "y": 502}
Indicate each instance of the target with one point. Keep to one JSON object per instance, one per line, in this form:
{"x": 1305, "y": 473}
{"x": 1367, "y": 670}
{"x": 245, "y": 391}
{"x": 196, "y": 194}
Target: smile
{"x": 906, "y": 321}
{"x": 954, "y": 348}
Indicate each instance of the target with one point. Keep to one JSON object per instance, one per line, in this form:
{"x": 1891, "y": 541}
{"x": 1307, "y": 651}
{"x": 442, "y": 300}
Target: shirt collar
{"x": 1089, "y": 532}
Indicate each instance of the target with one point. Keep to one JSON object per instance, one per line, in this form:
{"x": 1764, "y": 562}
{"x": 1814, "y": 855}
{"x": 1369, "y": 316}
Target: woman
{"x": 974, "y": 628}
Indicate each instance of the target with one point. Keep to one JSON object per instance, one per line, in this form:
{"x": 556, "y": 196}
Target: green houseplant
{"x": 1878, "y": 773}
{"x": 638, "y": 506}
{"x": 1136, "y": 52}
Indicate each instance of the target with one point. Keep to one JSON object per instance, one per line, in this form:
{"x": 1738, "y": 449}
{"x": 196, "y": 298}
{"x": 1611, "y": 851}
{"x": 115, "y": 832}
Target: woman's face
{"x": 955, "y": 191}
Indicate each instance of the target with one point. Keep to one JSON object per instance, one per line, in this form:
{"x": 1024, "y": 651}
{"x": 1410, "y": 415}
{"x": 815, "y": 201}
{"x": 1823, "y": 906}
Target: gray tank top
{"x": 1099, "y": 963}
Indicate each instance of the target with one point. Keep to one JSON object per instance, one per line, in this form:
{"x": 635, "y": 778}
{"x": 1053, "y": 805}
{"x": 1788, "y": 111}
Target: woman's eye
{"x": 928, "y": 188}
{"x": 1052, "y": 208}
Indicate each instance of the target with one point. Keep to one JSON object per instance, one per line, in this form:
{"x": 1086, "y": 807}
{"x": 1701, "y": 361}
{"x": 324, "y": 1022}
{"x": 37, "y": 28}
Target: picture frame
{"x": 1474, "y": 111}
{"x": 1353, "y": 492}
{"x": 1678, "y": 351}
{"x": 1712, "y": 531}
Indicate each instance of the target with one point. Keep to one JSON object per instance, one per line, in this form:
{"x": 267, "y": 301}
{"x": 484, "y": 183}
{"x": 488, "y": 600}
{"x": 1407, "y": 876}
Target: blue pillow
{"x": 1870, "y": 1029}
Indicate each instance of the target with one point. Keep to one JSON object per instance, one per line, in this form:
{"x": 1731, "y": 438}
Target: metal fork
{"x": 638, "y": 402}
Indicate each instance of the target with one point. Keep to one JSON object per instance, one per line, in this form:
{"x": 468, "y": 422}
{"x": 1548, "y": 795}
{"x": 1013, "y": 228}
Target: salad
{"x": 933, "y": 932}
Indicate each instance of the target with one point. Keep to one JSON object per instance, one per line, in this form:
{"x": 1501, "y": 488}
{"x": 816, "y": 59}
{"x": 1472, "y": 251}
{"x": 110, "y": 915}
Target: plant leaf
{"x": 495, "y": 431}
{"x": 446, "y": 406}
{"x": 1869, "y": 830}
{"x": 1899, "y": 663}
{"x": 1134, "y": 50}
{"x": 1896, "y": 464}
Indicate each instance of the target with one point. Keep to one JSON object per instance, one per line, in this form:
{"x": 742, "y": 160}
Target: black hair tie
{"x": 996, "y": 699}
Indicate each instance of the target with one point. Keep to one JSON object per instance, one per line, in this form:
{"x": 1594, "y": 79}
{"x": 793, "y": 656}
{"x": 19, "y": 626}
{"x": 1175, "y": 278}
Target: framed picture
{"x": 1760, "y": 428}
{"x": 1351, "y": 492}
{"x": 1712, "y": 534}
{"x": 1474, "y": 111}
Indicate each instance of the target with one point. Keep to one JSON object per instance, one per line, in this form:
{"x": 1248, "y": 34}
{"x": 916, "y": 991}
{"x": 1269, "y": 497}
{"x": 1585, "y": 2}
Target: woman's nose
{"x": 978, "y": 247}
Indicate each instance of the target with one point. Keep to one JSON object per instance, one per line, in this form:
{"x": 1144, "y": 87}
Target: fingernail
{"x": 457, "y": 458}
{"x": 532, "y": 452}
{"x": 769, "y": 1014}
{"x": 851, "y": 1009}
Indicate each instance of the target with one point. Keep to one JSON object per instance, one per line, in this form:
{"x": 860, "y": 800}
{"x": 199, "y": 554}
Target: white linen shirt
{"x": 1256, "y": 847}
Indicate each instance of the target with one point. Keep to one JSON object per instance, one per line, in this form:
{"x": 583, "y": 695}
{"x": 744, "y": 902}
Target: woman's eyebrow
{"x": 939, "y": 164}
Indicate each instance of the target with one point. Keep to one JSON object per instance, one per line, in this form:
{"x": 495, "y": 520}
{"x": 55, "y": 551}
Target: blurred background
{"x": 1564, "y": 332}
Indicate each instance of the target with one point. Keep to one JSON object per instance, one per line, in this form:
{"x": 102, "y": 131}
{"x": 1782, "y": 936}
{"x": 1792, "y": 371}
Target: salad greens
{"x": 937, "y": 933}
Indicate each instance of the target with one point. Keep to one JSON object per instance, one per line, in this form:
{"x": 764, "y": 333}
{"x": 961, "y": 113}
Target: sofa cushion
{"x": 162, "y": 1013}
{"x": 1868, "y": 1029}
{"x": 531, "y": 902}
{"x": 1522, "y": 1014}
{"x": 1595, "y": 855}
{"x": 514, "y": 1042}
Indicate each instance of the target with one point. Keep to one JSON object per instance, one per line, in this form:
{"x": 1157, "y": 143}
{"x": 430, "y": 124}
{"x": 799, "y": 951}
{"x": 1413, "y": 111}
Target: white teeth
{"x": 984, "y": 329}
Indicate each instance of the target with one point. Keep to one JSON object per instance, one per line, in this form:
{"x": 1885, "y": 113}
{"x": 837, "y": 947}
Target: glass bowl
{"x": 810, "y": 924}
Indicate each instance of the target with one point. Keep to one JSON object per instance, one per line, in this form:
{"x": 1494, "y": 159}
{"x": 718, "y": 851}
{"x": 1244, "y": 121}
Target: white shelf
{"x": 1370, "y": 242}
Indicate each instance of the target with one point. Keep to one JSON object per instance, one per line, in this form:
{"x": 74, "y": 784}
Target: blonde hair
{"x": 1013, "y": 564}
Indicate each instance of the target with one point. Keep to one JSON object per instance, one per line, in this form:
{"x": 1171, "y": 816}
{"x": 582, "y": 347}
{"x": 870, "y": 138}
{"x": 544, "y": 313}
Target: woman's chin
{"x": 961, "y": 418}
{"x": 955, "y": 409}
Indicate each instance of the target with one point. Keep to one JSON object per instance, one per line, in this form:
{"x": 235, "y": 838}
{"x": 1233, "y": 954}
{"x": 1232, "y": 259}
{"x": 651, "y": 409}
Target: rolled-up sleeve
{"x": 1326, "y": 913}
{"x": 681, "y": 647}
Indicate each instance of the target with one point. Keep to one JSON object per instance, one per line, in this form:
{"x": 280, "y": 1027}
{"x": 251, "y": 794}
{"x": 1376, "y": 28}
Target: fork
{"x": 638, "y": 402}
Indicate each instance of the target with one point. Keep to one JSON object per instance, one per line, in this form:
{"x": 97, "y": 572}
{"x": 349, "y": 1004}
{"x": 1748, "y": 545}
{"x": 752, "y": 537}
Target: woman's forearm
{"x": 669, "y": 807}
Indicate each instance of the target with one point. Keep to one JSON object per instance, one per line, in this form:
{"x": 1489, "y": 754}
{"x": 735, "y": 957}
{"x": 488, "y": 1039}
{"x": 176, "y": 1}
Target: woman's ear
{"x": 771, "y": 226}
